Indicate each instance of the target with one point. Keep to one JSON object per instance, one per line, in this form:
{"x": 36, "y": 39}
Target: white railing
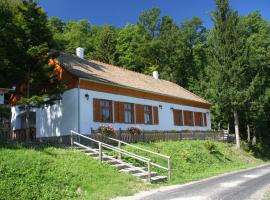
{"x": 168, "y": 158}
{"x": 116, "y": 149}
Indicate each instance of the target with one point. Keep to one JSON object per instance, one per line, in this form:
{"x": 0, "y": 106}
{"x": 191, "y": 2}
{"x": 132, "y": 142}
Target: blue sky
{"x": 120, "y": 12}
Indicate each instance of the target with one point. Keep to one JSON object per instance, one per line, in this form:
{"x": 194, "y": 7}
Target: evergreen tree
{"x": 228, "y": 63}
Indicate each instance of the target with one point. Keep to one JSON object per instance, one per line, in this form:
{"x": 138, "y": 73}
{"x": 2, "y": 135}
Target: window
{"x": 128, "y": 113}
{"x": 147, "y": 114}
{"x": 105, "y": 111}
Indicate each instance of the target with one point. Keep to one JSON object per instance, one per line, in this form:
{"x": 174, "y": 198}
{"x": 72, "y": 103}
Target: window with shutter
{"x": 105, "y": 111}
{"x": 128, "y": 113}
{"x": 139, "y": 114}
{"x": 116, "y": 111}
{"x": 147, "y": 114}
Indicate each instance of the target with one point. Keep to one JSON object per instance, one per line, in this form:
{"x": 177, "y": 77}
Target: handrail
{"x": 146, "y": 150}
{"x": 168, "y": 158}
{"x": 119, "y": 150}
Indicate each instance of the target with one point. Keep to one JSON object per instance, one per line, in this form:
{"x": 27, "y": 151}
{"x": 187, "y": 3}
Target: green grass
{"x": 194, "y": 160}
{"x": 52, "y": 173}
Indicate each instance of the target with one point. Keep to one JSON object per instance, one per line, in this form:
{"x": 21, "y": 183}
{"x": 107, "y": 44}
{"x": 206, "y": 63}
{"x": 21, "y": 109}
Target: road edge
{"x": 142, "y": 194}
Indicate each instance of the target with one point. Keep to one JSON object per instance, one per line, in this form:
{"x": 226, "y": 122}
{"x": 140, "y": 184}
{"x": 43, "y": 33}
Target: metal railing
{"x": 116, "y": 149}
{"x": 168, "y": 158}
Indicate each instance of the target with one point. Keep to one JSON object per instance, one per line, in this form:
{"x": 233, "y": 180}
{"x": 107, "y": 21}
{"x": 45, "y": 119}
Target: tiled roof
{"x": 118, "y": 76}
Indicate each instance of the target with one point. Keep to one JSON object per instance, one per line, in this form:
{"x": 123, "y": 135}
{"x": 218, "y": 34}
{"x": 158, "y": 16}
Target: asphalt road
{"x": 244, "y": 185}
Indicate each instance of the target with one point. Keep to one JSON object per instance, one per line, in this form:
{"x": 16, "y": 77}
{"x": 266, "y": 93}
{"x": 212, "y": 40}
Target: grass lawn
{"x": 52, "y": 173}
{"x": 194, "y": 160}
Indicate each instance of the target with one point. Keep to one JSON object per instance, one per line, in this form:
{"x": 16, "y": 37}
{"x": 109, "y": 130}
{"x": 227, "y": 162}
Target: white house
{"x": 102, "y": 94}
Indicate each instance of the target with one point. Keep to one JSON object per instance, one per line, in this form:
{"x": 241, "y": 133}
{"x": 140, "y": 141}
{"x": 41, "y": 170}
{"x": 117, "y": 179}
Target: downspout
{"x": 79, "y": 126}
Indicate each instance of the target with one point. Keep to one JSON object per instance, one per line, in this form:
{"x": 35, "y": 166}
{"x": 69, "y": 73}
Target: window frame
{"x": 130, "y": 110}
{"x": 149, "y": 112}
{"x": 106, "y": 108}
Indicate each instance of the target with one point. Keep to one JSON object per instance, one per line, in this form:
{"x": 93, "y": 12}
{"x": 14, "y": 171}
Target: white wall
{"x": 59, "y": 119}
{"x": 166, "y": 121}
{"x": 54, "y": 120}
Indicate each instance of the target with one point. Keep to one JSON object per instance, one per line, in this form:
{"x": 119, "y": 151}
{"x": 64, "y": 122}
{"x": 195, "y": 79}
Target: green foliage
{"x": 191, "y": 160}
{"x": 51, "y": 173}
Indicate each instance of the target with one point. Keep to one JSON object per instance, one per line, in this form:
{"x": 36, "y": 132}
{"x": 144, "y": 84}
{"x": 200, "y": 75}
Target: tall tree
{"x": 228, "y": 64}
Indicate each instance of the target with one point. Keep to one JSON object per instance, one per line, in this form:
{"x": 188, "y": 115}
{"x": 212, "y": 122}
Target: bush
{"x": 210, "y": 146}
{"x": 134, "y": 131}
{"x": 106, "y": 130}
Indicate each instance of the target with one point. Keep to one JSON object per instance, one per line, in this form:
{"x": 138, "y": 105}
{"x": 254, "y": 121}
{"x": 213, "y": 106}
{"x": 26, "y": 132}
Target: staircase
{"x": 144, "y": 173}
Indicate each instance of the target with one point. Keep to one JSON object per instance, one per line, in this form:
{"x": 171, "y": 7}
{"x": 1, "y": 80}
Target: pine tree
{"x": 228, "y": 62}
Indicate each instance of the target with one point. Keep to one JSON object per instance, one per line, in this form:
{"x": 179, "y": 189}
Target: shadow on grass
{"x": 28, "y": 145}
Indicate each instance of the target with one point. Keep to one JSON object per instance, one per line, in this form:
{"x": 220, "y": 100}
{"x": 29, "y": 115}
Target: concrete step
{"x": 92, "y": 154}
{"x": 113, "y": 161}
{"x": 145, "y": 174}
{"x": 132, "y": 170}
{"x": 121, "y": 166}
{"x": 158, "y": 178}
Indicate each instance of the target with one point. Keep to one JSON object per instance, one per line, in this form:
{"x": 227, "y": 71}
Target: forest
{"x": 227, "y": 64}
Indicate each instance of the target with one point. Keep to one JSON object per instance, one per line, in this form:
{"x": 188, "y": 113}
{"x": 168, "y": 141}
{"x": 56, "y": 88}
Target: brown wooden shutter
{"x": 176, "y": 117}
{"x": 180, "y": 117}
{"x": 155, "y": 110}
{"x": 205, "y": 119}
{"x": 186, "y": 118}
{"x": 139, "y": 114}
{"x": 111, "y": 111}
{"x": 116, "y": 111}
{"x": 197, "y": 118}
{"x": 121, "y": 112}
{"x": 96, "y": 110}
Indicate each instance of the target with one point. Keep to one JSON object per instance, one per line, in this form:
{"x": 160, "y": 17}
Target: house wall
{"x": 166, "y": 121}
{"x": 60, "y": 118}
{"x": 54, "y": 120}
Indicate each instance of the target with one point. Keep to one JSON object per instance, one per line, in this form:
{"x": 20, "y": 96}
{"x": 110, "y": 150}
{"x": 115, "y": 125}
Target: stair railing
{"x": 168, "y": 158}
{"x": 115, "y": 149}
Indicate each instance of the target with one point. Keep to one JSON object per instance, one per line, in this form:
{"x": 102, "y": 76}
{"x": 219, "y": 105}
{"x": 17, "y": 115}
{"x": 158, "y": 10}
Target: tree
{"x": 228, "y": 62}
{"x": 36, "y": 82}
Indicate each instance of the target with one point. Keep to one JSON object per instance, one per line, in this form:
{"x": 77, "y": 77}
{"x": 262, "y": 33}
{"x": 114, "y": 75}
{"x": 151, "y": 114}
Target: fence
{"x": 151, "y": 136}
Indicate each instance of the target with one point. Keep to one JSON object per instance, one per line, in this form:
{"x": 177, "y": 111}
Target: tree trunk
{"x": 228, "y": 128}
{"x": 248, "y": 133}
{"x": 236, "y": 128}
{"x": 254, "y": 138}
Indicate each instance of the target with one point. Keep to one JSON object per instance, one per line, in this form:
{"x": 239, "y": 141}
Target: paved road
{"x": 242, "y": 185}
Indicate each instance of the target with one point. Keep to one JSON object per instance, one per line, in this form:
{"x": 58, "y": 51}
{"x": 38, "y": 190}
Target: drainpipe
{"x": 79, "y": 127}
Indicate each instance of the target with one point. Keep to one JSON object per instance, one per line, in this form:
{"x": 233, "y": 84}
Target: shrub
{"x": 134, "y": 131}
{"x": 210, "y": 146}
{"x": 106, "y": 130}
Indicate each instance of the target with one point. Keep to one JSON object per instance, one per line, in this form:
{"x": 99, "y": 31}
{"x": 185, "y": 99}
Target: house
{"x": 102, "y": 94}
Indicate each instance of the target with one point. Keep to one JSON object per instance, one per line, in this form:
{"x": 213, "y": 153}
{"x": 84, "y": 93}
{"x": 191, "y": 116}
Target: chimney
{"x": 80, "y": 52}
{"x": 155, "y": 74}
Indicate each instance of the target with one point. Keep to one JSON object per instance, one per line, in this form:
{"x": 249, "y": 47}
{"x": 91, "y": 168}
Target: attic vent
{"x": 80, "y": 52}
{"x": 155, "y": 74}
